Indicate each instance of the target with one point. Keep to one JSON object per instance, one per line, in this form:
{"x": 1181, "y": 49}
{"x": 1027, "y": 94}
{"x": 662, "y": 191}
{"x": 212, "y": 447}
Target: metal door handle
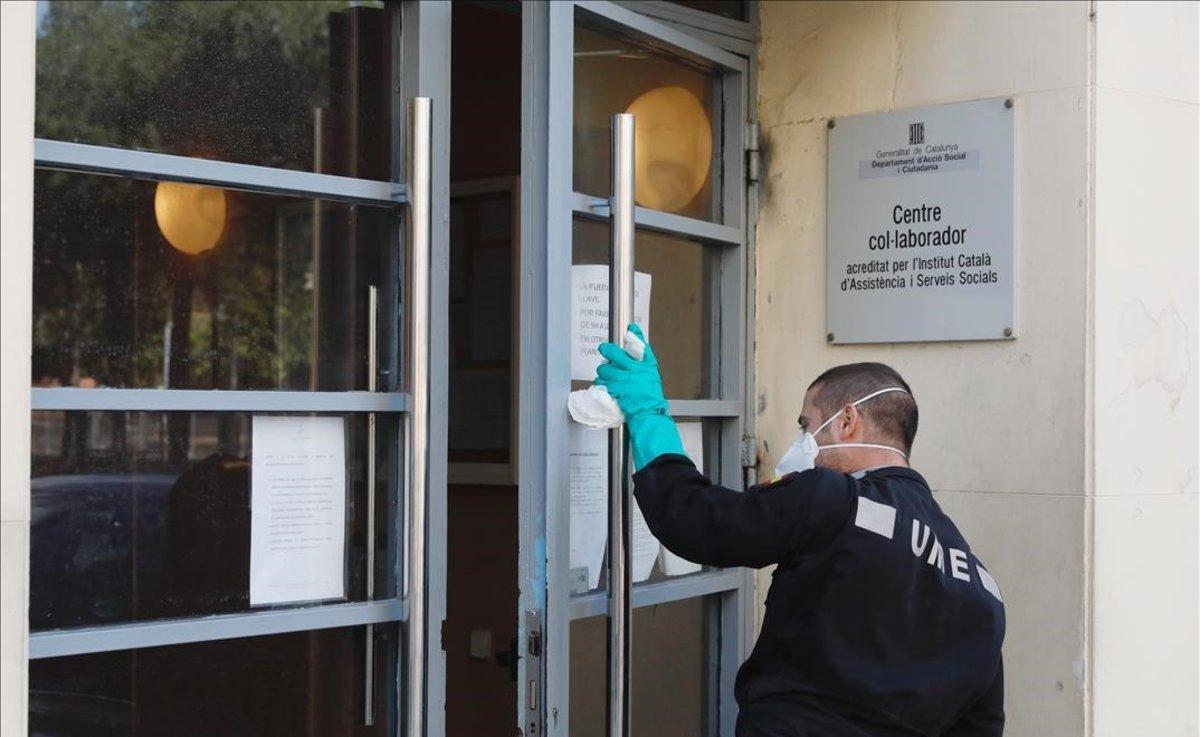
{"x": 417, "y": 483}
{"x": 620, "y": 314}
{"x": 372, "y": 385}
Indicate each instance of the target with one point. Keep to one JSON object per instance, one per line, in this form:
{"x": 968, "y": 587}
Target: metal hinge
{"x": 753, "y": 162}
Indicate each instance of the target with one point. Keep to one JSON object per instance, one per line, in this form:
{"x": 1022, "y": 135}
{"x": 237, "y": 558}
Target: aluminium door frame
{"x": 549, "y": 206}
{"x": 700, "y": 22}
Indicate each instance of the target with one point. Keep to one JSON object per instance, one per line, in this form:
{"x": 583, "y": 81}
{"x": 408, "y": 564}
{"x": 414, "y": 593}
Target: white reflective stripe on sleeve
{"x": 989, "y": 583}
{"x": 876, "y": 517}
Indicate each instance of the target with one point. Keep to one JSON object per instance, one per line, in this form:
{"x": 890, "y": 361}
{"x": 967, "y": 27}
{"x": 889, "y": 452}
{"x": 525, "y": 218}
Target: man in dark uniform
{"x": 879, "y": 620}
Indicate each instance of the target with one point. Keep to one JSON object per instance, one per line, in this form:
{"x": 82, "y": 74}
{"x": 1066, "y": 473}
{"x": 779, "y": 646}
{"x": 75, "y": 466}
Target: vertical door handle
{"x": 620, "y": 314}
{"x": 372, "y": 385}
{"x": 417, "y": 481}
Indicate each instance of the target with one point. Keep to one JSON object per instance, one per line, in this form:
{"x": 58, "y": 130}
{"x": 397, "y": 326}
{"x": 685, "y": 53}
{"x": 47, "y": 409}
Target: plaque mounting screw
{"x": 1008, "y": 103}
{"x": 1007, "y": 332}
{"x": 829, "y": 337}
{"x": 831, "y": 124}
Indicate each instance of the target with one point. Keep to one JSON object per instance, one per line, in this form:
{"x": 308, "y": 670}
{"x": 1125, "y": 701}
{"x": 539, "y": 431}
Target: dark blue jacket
{"x": 879, "y": 619}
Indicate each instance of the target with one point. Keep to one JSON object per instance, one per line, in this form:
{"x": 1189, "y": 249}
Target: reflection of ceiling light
{"x": 672, "y": 149}
{"x": 190, "y": 216}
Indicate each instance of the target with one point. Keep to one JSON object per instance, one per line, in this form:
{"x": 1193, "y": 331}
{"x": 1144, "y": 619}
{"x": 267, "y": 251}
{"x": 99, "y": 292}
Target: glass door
{"x": 690, "y": 625}
{"x": 238, "y": 330}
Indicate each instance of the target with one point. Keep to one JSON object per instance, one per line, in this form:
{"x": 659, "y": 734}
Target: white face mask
{"x": 802, "y": 455}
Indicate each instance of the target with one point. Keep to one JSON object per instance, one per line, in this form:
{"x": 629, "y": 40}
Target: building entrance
{"x": 307, "y": 308}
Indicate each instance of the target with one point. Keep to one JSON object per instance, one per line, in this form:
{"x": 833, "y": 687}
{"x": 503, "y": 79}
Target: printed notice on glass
{"x": 589, "y": 511}
{"x": 589, "y": 315}
{"x": 919, "y": 236}
{"x": 589, "y": 500}
{"x": 692, "y": 435}
{"x": 297, "y": 509}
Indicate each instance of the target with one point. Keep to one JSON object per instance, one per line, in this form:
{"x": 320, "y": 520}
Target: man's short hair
{"x": 893, "y": 415}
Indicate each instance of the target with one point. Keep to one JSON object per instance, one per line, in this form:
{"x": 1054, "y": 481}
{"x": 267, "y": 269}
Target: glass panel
{"x": 677, "y": 129}
{"x": 735, "y": 9}
{"x": 684, "y": 303}
{"x": 482, "y": 243}
{"x": 651, "y": 562}
{"x": 301, "y": 683}
{"x": 142, "y": 515}
{"x": 152, "y": 285}
{"x": 671, "y": 649}
{"x": 285, "y": 84}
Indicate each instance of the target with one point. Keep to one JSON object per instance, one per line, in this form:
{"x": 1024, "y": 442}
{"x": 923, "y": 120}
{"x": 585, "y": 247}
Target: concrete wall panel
{"x": 1149, "y": 48}
{"x": 17, "y": 29}
{"x": 1145, "y": 667}
{"x": 1146, "y": 260}
{"x": 1044, "y": 647}
{"x": 948, "y": 51}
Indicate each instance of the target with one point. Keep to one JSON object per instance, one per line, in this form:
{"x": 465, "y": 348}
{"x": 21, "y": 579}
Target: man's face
{"x": 810, "y": 414}
{"x": 812, "y": 418}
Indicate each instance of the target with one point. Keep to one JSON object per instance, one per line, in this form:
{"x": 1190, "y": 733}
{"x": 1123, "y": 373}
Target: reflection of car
{"x": 111, "y": 548}
{"x": 94, "y": 537}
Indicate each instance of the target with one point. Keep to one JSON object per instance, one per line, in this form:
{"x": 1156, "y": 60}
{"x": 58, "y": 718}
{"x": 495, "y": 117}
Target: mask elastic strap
{"x": 872, "y": 395}
{"x": 865, "y": 445}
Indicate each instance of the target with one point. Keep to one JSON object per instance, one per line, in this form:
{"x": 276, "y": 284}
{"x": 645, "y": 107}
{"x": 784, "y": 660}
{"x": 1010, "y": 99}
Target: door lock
{"x": 533, "y": 675}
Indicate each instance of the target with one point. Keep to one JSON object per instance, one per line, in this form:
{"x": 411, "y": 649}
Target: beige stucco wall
{"x": 1144, "y": 645}
{"x": 1068, "y": 456}
{"x": 1003, "y": 436}
{"x": 16, "y": 264}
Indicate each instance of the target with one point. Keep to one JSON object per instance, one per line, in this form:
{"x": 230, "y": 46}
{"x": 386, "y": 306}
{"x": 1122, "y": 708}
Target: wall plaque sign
{"x": 920, "y": 239}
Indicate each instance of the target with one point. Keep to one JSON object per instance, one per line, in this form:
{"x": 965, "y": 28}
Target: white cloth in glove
{"x": 594, "y": 407}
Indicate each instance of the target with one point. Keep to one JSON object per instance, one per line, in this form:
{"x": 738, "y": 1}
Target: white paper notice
{"x": 589, "y": 510}
{"x": 297, "y": 509}
{"x": 589, "y": 500}
{"x": 692, "y": 435}
{"x": 589, "y": 315}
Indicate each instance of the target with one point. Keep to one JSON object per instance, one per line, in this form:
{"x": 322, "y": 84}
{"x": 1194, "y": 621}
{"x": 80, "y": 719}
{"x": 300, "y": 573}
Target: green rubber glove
{"x": 637, "y": 387}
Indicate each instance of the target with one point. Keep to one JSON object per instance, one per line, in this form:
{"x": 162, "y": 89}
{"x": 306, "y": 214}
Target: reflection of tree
{"x": 294, "y": 302}
{"x": 229, "y": 80}
{"x": 234, "y": 81}
{"x": 114, "y": 303}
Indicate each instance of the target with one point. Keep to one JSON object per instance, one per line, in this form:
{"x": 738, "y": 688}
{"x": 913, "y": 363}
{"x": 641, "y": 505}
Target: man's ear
{"x": 851, "y": 421}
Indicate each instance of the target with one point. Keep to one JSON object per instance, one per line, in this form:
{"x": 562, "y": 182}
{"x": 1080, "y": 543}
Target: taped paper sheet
{"x": 589, "y": 511}
{"x": 297, "y": 509}
{"x": 589, "y": 500}
{"x": 589, "y": 315}
{"x": 692, "y": 435}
